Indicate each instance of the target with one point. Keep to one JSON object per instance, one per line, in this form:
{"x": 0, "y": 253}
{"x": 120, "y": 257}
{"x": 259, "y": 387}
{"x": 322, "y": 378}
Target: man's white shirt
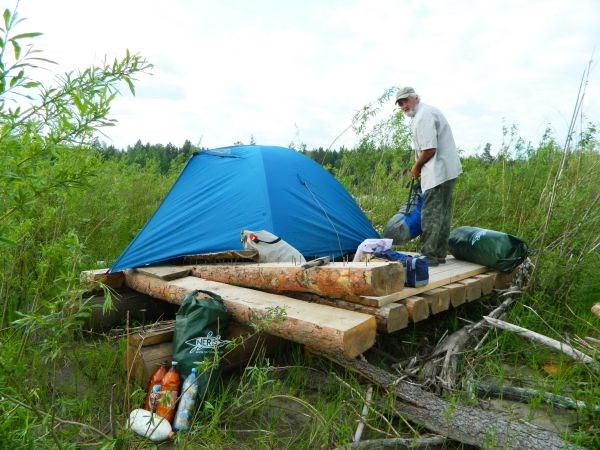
{"x": 430, "y": 129}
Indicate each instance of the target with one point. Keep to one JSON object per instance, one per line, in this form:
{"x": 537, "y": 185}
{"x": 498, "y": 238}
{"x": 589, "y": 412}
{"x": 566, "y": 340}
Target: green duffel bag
{"x": 199, "y": 325}
{"x": 489, "y": 248}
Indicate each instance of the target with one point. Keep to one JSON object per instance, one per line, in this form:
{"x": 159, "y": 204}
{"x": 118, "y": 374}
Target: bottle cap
{"x": 156, "y": 388}
{"x": 174, "y": 363}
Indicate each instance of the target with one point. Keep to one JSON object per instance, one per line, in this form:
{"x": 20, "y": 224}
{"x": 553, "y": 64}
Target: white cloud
{"x": 225, "y": 70}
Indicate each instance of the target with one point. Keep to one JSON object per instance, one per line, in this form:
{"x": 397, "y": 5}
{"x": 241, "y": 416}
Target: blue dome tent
{"x": 223, "y": 191}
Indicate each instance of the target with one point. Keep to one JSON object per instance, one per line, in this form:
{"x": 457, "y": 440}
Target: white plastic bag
{"x": 150, "y": 425}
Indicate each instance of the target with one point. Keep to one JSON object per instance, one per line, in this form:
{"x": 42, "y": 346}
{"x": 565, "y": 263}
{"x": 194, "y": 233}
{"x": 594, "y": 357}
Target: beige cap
{"x": 405, "y": 92}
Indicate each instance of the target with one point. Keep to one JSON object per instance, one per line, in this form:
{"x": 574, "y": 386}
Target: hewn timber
{"x": 318, "y": 326}
{"x": 454, "y": 270}
{"x": 391, "y": 317}
{"x": 418, "y": 308}
{"x": 473, "y": 288}
{"x": 346, "y": 281}
{"x": 458, "y": 294}
{"x": 438, "y": 299}
{"x": 487, "y": 282}
{"x": 462, "y": 423}
{"x": 166, "y": 272}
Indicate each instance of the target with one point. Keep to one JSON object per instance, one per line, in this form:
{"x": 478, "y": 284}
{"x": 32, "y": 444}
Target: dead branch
{"x": 398, "y": 443}
{"x": 440, "y": 369}
{"x": 363, "y": 416}
{"x": 540, "y": 338}
{"x": 519, "y": 394}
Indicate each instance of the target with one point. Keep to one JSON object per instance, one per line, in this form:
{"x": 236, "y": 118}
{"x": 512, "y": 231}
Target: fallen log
{"x": 465, "y": 424}
{"x": 317, "y": 326}
{"x": 520, "y": 394}
{"x": 346, "y": 281}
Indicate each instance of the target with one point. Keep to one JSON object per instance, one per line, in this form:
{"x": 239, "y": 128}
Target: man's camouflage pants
{"x": 436, "y": 216}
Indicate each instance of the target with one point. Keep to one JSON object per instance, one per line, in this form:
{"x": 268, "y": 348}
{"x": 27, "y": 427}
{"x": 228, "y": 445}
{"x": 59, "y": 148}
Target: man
{"x": 438, "y": 165}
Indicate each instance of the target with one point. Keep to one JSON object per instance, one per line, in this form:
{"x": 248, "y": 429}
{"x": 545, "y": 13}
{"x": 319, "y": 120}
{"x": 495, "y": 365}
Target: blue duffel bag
{"x": 405, "y": 225}
{"x": 416, "y": 269}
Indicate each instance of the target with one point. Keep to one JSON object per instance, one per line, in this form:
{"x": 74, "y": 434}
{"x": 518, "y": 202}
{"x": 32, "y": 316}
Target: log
{"x": 346, "y": 281}
{"x": 417, "y": 307}
{"x": 438, "y": 300}
{"x": 473, "y": 288}
{"x": 166, "y": 272}
{"x": 462, "y": 423}
{"x": 487, "y": 282}
{"x": 458, "y": 294}
{"x": 540, "y": 338}
{"x": 125, "y": 302}
{"x": 391, "y": 317}
{"x": 318, "y": 326}
{"x": 92, "y": 280}
{"x": 527, "y": 394}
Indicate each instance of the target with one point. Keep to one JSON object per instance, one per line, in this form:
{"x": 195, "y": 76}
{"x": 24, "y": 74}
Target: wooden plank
{"x": 473, "y": 288}
{"x": 454, "y": 270}
{"x": 391, "y": 317}
{"x": 438, "y": 299}
{"x": 346, "y": 281}
{"x": 417, "y": 307}
{"x": 325, "y": 328}
{"x": 91, "y": 279}
{"x": 165, "y": 272}
{"x": 487, "y": 282}
{"x": 458, "y": 294}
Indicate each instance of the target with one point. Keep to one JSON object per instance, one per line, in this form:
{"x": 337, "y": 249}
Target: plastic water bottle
{"x": 187, "y": 402}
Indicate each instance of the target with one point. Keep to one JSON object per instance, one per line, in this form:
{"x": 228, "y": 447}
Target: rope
{"x": 326, "y": 215}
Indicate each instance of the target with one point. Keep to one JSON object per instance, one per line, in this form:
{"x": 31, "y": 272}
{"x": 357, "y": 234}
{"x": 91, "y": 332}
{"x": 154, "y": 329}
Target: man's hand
{"x": 424, "y": 156}
{"x": 415, "y": 171}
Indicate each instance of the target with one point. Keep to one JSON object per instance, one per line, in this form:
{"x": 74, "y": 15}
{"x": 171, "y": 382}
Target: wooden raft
{"x": 322, "y": 327}
{"x": 450, "y": 285}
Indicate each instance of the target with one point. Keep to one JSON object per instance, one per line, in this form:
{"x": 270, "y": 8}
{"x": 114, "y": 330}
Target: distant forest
{"x": 170, "y": 156}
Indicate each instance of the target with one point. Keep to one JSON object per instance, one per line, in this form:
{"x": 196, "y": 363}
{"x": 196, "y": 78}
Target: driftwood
{"x": 526, "y": 394}
{"x": 465, "y": 424}
{"x": 540, "y": 338}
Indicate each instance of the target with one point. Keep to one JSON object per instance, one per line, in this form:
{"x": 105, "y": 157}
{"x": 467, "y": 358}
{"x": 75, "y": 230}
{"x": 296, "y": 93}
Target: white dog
{"x": 270, "y": 248}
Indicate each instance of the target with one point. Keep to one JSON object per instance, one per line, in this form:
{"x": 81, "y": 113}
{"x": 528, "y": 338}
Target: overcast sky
{"x": 296, "y": 71}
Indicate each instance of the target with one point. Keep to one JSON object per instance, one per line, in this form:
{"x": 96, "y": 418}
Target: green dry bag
{"x": 489, "y": 248}
{"x": 199, "y": 327}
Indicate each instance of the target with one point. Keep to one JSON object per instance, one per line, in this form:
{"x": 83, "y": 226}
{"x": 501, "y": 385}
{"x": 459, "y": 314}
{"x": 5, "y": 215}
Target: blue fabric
{"x": 224, "y": 191}
{"x": 413, "y": 218}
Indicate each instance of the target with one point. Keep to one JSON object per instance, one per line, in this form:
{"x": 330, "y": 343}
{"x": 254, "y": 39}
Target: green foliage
{"x": 68, "y": 203}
